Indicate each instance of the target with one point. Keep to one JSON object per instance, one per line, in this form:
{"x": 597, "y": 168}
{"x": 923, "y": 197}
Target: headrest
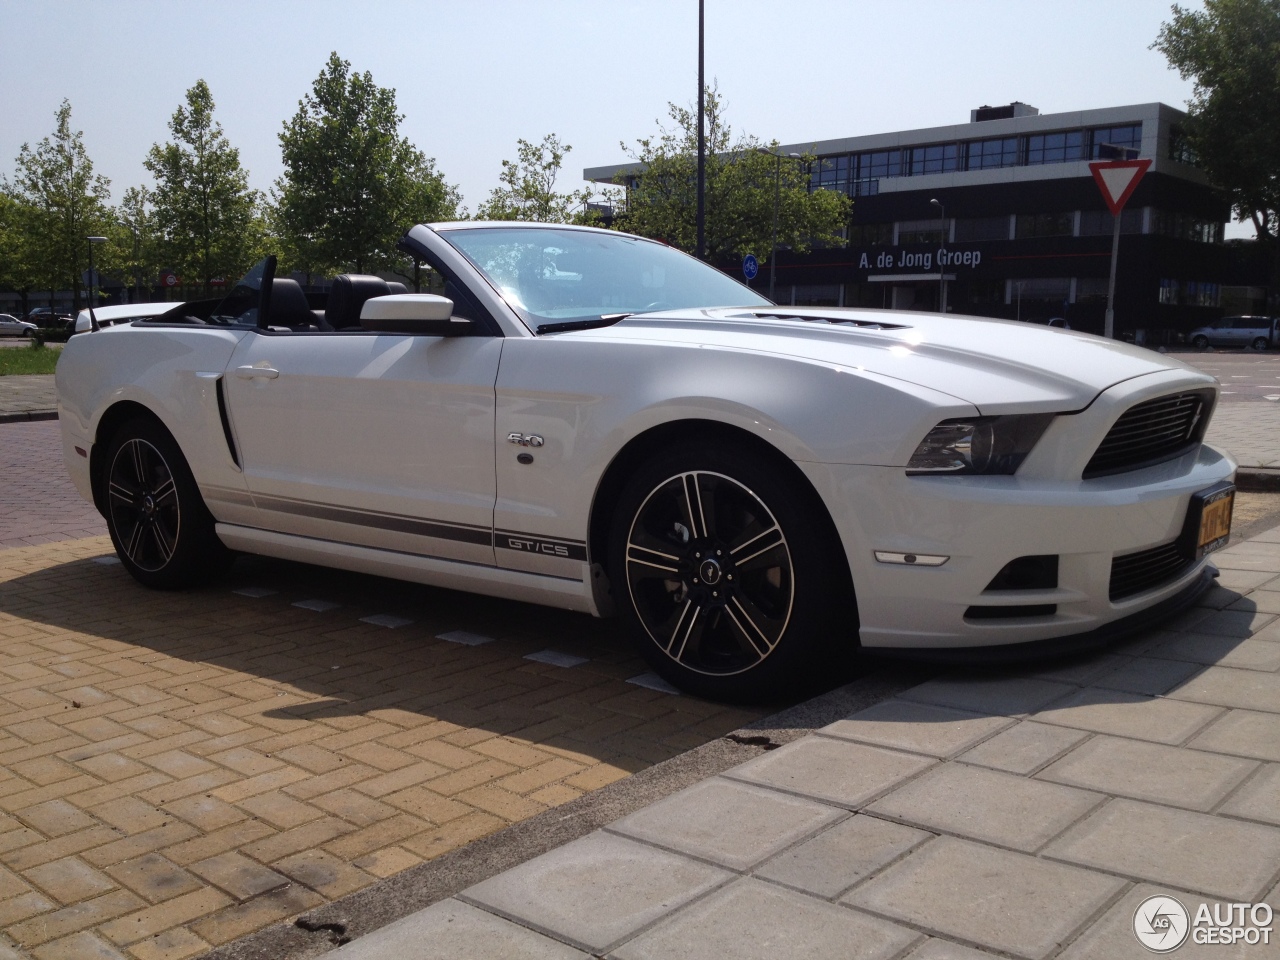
{"x": 289, "y": 307}
{"x": 347, "y": 296}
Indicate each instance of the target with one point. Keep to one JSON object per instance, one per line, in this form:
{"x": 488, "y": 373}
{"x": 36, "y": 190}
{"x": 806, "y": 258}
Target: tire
{"x": 1200, "y": 342}
{"x": 161, "y": 528}
{"x": 729, "y": 575}
{"x": 1260, "y": 343}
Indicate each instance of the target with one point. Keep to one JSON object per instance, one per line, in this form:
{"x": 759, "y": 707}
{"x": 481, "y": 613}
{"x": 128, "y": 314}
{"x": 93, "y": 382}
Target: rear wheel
{"x": 1200, "y": 342}
{"x": 162, "y": 531}
{"x": 728, "y": 575}
{"x": 1260, "y": 343}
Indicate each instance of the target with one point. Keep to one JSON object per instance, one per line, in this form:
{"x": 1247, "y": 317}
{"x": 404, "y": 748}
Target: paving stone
{"x": 1148, "y": 675}
{"x": 835, "y": 771}
{"x": 736, "y": 825}
{"x": 1024, "y": 748}
{"x": 1259, "y": 799}
{"x": 1237, "y": 623}
{"x": 1129, "y": 715}
{"x": 597, "y": 890}
{"x": 751, "y": 920}
{"x": 1193, "y": 851}
{"x": 69, "y": 880}
{"x": 1245, "y": 733}
{"x": 1007, "y": 696}
{"x": 1082, "y": 669}
{"x": 1001, "y": 900}
{"x": 1150, "y": 771}
{"x": 917, "y": 727}
{"x": 1229, "y": 687}
{"x": 1265, "y": 601}
{"x": 841, "y": 855}
{"x": 453, "y": 930}
{"x": 935, "y": 949}
{"x": 238, "y": 875}
{"x": 1112, "y": 937}
{"x": 1252, "y": 654}
{"x": 987, "y": 805}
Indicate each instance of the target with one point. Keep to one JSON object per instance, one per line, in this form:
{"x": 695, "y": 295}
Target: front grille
{"x": 1151, "y": 432}
{"x": 1137, "y": 572}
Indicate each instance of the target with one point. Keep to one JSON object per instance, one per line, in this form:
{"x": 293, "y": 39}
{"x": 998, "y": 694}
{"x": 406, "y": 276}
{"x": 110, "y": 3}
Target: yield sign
{"x": 1117, "y": 179}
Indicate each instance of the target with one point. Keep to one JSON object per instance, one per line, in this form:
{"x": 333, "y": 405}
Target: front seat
{"x": 289, "y": 307}
{"x": 347, "y": 296}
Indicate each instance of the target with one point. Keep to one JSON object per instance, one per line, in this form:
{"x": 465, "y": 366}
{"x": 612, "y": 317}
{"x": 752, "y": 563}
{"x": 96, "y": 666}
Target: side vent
{"x": 842, "y": 321}
{"x": 226, "y": 424}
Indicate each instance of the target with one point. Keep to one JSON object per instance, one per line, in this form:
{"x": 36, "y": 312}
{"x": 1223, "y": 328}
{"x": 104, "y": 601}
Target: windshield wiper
{"x": 605, "y": 320}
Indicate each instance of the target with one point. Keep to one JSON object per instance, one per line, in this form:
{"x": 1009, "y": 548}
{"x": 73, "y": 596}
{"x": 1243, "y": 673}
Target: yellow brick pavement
{"x": 180, "y": 769}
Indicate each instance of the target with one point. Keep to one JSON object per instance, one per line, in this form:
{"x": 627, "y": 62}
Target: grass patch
{"x": 27, "y": 360}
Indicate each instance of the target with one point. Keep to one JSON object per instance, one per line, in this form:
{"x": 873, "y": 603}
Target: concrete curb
{"x": 25, "y": 415}
{"x": 323, "y": 929}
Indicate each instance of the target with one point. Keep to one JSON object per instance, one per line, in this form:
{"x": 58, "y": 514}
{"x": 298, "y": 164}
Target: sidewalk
{"x": 1024, "y": 814}
{"x": 28, "y": 398}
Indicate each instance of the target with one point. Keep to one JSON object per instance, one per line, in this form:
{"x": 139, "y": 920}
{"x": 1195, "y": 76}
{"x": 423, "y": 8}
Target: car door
{"x": 382, "y": 440}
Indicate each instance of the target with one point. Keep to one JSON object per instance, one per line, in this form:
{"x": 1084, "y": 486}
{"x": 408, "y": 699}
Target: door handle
{"x": 249, "y": 373}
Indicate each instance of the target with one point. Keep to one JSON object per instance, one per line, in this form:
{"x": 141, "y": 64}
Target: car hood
{"x": 996, "y": 365}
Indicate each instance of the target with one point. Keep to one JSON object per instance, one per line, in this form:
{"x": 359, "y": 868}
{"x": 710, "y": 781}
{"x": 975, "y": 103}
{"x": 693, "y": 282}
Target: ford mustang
{"x": 596, "y": 421}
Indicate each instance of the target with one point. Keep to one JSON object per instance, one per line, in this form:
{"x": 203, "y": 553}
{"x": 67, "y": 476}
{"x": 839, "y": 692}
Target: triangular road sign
{"x": 1117, "y": 179}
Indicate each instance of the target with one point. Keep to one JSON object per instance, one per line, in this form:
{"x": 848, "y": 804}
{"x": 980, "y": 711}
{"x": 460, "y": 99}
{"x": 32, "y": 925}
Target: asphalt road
{"x": 1246, "y": 376}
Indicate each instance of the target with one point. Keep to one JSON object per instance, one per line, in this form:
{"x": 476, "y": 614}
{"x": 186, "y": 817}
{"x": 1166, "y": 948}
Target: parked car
{"x": 1260, "y": 333}
{"x": 599, "y": 422}
{"x": 122, "y": 313}
{"x": 11, "y": 326}
{"x": 45, "y": 317}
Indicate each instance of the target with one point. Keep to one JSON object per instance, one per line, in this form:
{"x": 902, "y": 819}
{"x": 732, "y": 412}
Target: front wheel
{"x": 1260, "y": 343}
{"x": 162, "y": 531}
{"x": 1200, "y": 342}
{"x": 728, "y": 574}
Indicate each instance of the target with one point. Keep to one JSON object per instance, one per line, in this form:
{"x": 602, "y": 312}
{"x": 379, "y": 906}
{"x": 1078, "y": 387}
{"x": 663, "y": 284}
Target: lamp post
{"x": 777, "y": 191}
{"x": 1018, "y": 284}
{"x": 942, "y": 242}
{"x": 93, "y": 321}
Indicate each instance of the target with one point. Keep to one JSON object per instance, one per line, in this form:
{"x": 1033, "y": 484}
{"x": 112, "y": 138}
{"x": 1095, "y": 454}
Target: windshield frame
{"x": 540, "y": 323}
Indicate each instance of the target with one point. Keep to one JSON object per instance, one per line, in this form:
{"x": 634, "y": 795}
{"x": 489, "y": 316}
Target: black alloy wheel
{"x": 1200, "y": 342}
{"x": 162, "y": 531}
{"x": 1260, "y": 343}
{"x": 725, "y": 574}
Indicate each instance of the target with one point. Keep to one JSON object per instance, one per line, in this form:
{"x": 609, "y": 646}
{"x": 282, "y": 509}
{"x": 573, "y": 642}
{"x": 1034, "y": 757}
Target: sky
{"x": 471, "y": 77}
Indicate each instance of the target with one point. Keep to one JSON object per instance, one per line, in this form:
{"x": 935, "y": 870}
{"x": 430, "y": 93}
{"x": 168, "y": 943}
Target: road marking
{"x": 556, "y": 658}
{"x": 319, "y": 606}
{"x": 254, "y": 592}
{"x": 465, "y": 638}
{"x": 386, "y": 620}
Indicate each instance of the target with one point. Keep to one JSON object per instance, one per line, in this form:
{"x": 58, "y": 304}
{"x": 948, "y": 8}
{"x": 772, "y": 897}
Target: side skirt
{"x": 560, "y": 592}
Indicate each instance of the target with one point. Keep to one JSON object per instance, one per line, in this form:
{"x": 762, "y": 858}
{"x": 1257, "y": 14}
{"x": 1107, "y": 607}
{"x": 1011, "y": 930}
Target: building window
{"x": 831, "y": 173}
{"x": 1180, "y": 148}
{"x": 881, "y": 163}
{"x": 1055, "y": 147}
{"x": 920, "y": 231}
{"x": 1128, "y": 136}
{"x": 1190, "y": 293}
{"x": 1100, "y": 223}
{"x": 982, "y": 228}
{"x": 986, "y": 291}
{"x": 1091, "y": 289}
{"x": 1045, "y": 225}
{"x": 985, "y": 154}
{"x": 940, "y": 158}
{"x": 1170, "y": 223}
{"x": 1052, "y": 289}
{"x": 871, "y": 234}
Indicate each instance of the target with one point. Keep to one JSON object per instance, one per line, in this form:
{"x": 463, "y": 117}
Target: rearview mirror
{"x": 422, "y": 313}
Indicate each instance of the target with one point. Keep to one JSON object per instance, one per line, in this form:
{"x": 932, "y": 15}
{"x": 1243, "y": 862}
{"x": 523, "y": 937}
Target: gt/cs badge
{"x": 525, "y": 439}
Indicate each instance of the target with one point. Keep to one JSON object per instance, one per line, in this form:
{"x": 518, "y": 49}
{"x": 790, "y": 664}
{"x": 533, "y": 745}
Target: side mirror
{"x": 422, "y": 313}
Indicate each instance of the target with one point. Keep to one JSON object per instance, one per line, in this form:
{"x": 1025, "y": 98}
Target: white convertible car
{"x": 595, "y": 421}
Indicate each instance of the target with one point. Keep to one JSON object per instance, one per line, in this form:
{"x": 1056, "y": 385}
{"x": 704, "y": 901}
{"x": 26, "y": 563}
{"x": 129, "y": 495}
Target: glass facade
{"x": 1046, "y": 225}
{"x": 1190, "y": 293}
{"x": 982, "y": 228}
{"x": 1055, "y": 147}
{"x": 1128, "y": 136}
{"x": 985, "y": 154}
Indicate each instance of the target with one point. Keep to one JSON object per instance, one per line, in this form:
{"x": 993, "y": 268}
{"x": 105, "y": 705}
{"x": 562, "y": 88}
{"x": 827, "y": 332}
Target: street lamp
{"x": 1018, "y": 284}
{"x": 93, "y": 320}
{"x": 777, "y": 180}
{"x": 942, "y": 234}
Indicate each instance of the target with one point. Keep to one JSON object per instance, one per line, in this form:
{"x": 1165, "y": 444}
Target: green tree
{"x": 528, "y": 190}
{"x": 740, "y": 191}
{"x": 1231, "y": 49}
{"x": 205, "y": 213}
{"x": 352, "y": 185}
{"x": 65, "y": 202}
{"x": 19, "y": 265}
{"x": 136, "y": 253}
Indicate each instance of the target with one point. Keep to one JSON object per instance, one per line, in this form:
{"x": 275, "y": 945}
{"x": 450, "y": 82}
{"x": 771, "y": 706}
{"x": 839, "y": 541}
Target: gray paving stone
{"x": 1000, "y": 900}
{"x": 1261, "y": 563}
{"x": 1259, "y": 799}
{"x": 752, "y": 920}
{"x": 597, "y": 890}
{"x": 1024, "y": 748}
{"x": 987, "y": 805}
{"x": 733, "y": 824}
{"x": 1194, "y": 851}
{"x": 1148, "y": 675}
{"x": 1245, "y": 733}
{"x": 1080, "y": 670}
{"x": 1235, "y": 623}
{"x": 1251, "y": 654}
{"x": 1187, "y": 621}
{"x": 918, "y": 727}
{"x": 1129, "y": 715}
{"x": 1219, "y": 597}
{"x": 1271, "y": 631}
{"x": 1007, "y": 696}
{"x": 1229, "y": 687}
{"x": 1266, "y": 601}
{"x": 1112, "y": 938}
{"x": 452, "y": 930}
{"x": 1151, "y": 771}
{"x": 935, "y": 949}
{"x": 835, "y": 771}
{"x": 1246, "y": 580}
{"x": 841, "y": 855}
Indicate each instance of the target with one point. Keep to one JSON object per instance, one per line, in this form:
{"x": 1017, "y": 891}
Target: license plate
{"x": 1215, "y": 520}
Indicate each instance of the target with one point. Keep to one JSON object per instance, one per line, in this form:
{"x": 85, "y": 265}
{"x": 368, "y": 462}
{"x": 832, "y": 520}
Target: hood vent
{"x": 842, "y": 321}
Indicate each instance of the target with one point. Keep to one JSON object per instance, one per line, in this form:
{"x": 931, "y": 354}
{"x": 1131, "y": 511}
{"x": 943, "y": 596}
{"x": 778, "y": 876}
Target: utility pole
{"x": 702, "y": 148}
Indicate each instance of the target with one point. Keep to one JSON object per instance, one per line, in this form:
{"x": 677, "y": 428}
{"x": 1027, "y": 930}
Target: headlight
{"x": 968, "y": 445}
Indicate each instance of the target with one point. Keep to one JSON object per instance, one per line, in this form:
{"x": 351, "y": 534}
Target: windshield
{"x": 557, "y": 275}
{"x": 240, "y": 306}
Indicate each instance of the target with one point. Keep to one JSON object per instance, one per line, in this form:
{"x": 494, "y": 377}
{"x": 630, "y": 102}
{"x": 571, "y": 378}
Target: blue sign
{"x": 750, "y": 266}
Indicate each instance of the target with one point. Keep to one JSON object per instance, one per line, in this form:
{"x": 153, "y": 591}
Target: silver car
{"x": 13, "y": 327}
{"x": 1256, "y": 332}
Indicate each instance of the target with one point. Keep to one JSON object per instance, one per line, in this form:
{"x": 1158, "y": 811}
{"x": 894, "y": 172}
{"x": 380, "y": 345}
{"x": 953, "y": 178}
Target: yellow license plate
{"x": 1215, "y": 522}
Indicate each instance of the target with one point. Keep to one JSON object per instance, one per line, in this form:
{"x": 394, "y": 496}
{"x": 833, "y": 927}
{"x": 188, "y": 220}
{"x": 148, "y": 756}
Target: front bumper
{"x": 983, "y": 523}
